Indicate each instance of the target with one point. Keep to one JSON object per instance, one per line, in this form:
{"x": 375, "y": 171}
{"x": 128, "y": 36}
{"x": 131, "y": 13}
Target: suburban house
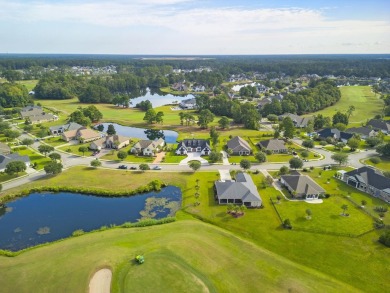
{"x": 335, "y": 134}
{"x": 35, "y": 114}
{"x": 188, "y": 104}
{"x": 299, "y": 122}
{"x": 378, "y": 124}
{"x": 242, "y": 191}
{"x": 198, "y": 88}
{"x": 201, "y": 146}
{"x": 239, "y": 146}
{"x": 179, "y": 86}
{"x": 5, "y": 159}
{"x": 148, "y": 147}
{"x": 370, "y": 181}
{"x": 263, "y": 102}
{"x": 58, "y": 129}
{"x": 4, "y": 149}
{"x": 110, "y": 142}
{"x": 301, "y": 186}
{"x": 364, "y": 132}
{"x": 273, "y": 145}
{"x": 83, "y": 134}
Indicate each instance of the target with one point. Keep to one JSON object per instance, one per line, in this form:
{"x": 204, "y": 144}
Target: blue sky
{"x": 199, "y": 27}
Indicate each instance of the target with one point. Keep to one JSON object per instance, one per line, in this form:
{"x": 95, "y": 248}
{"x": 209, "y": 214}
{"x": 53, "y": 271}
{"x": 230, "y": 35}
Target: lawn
{"x": 384, "y": 165}
{"x": 366, "y": 103}
{"x": 5, "y": 177}
{"x": 354, "y": 261}
{"x": 35, "y": 157}
{"x": 29, "y": 84}
{"x": 130, "y": 158}
{"x": 74, "y": 149}
{"x": 55, "y": 141}
{"x": 186, "y": 256}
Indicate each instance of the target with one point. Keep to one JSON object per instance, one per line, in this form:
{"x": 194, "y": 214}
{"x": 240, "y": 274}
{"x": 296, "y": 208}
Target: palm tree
{"x": 344, "y": 207}
{"x": 242, "y": 209}
{"x": 278, "y": 198}
{"x": 230, "y": 208}
{"x": 364, "y": 203}
{"x": 308, "y": 213}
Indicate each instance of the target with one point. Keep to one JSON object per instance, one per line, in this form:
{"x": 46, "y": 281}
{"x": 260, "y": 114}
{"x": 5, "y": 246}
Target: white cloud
{"x": 241, "y": 29}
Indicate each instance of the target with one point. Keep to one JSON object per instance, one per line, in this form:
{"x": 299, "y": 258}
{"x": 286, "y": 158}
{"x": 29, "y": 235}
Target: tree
{"x": 83, "y": 149}
{"x": 144, "y": 167}
{"x": 144, "y": 105}
{"x": 28, "y": 128}
{"x": 384, "y": 149}
{"x": 194, "y": 165}
{"x": 27, "y": 141}
{"x": 353, "y": 143}
{"x": 121, "y": 155}
{"x": 308, "y": 144}
{"x": 55, "y": 157}
{"x": 45, "y": 149}
{"x": 304, "y": 154}
{"x": 96, "y": 163}
{"x": 340, "y": 118}
{"x": 214, "y": 136}
{"x": 261, "y": 157}
{"x": 385, "y": 238}
{"x": 283, "y": 170}
{"x": 278, "y": 197}
{"x": 205, "y": 117}
{"x": 272, "y": 117}
{"x": 344, "y": 208}
{"x": 296, "y": 163}
{"x": 215, "y": 157}
{"x": 159, "y": 117}
{"x": 308, "y": 213}
{"x": 245, "y": 164}
{"x": 224, "y": 122}
{"x": 340, "y": 158}
{"x": 111, "y": 129}
{"x": 150, "y": 116}
{"x": 15, "y": 167}
{"x": 11, "y": 134}
{"x": 373, "y": 141}
{"x": 287, "y": 224}
{"x": 53, "y": 168}
{"x": 269, "y": 180}
{"x": 364, "y": 202}
{"x": 350, "y": 110}
{"x": 340, "y": 126}
{"x": 100, "y": 127}
{"x": 288, "y": 127}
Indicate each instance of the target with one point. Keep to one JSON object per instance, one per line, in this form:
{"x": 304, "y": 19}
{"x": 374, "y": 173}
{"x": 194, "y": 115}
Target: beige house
{"x": 148, "y": 147}
{"x": 110, "y": 142}
{"x": 83, "y": 134}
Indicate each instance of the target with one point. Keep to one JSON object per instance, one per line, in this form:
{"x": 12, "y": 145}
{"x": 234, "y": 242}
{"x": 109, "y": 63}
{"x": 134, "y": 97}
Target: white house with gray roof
{"x": 301, "y": 186}
{"x": 6, "y": 159}
{"x": 273, "y": 145}
{"x": 242, "y": 191}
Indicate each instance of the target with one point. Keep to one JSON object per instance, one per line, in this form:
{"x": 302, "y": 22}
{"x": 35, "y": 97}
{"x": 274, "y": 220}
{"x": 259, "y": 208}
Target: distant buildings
{"x": 35, "y": 115}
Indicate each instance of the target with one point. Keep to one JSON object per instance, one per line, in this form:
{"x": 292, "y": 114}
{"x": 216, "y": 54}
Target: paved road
{"x": 69, "y": 160}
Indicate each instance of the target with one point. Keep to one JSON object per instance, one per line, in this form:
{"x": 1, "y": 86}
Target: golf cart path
{"x": 101, "y": 282}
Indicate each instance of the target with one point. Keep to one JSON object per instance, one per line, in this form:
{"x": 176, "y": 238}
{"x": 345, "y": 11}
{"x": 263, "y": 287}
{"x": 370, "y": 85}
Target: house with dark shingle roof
{"x": 273, "y": 145}
{"x": 335, "y": 134}
{"x": 239, "y": 146}
{"x": 378, "y": 124}
{"x": 201, "y": 146}
{"x": 58, "y": 129}
{"x": 301, "y": 186}
{"x": 363, "y": 131}
{"x": 5, "y": 159}
{"x": 370, "y": 181}
{"x": 242, "y": 191}
{"x": 299, "y": 121}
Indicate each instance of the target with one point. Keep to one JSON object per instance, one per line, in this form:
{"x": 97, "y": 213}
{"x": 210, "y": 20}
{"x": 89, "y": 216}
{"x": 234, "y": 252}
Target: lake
{"x": 159, "y": 98}
{"x": 135, "y": 132}
{"x": 46, "y": 217}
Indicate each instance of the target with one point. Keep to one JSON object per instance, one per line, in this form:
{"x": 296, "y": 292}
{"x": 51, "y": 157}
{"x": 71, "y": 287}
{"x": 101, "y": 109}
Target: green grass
{"x": 29, "y": 84}
{"x": 384, "y": 165}
{"x": 74, "y": 149}
{"x": 35, "y": 157}
{"x": 55, "y": 141}
{"x": 353, "y": 261}
{"x": 366, "y": 103}
{"x": 5, "y": 177}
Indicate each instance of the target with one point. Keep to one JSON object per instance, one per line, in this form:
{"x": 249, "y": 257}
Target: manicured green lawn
{"x": 74, "y": 149}
{"x": 54, "y": 141}
{"x": 130, "y": 158}
{"x": 5, "y": 177}
{"x": 366, "y": 103}
{"x": 383, "y": 165}
{"x": 35, "y": 157}
{"x": 29, "y": 84}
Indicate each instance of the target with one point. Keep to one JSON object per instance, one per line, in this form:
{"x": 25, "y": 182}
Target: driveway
{"x": 194, "y": 157}
{"x": 225, "y": 159}
{"x": 225, "y": 175}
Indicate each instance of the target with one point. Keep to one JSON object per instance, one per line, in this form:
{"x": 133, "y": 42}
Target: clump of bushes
{"x": 375, "y": 160}
{"x": 287, "y": 224}
{"x": 385, "y": 238}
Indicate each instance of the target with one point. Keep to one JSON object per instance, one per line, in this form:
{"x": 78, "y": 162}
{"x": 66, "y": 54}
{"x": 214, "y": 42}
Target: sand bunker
{"x": 101, "y": 282}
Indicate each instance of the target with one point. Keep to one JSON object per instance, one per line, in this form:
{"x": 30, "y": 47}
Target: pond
{"x": 158, "y": 98}
{"x": 142, "y": 133}
{"x": 46, "y": 217}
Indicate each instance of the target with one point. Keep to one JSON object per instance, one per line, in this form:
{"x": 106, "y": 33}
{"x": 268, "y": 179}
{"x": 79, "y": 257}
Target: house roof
{"x": 152, "y": 144}
{"x": 40, "y": 117}
{"x": 334, "y": 132}
{"x": 194, "y": 143}
{"x": 379, "y": 124}
{"x": 5, "y": 159}
{"x": 237, "y": 144}
{"x": 298, "y": 121}
{"x": 243, "y": 188}
{"x": 70, "y": 133}
{"x": 4, "y": 148}
{"x": 189, "y": 101}
{"x": 31, "y": 111}
{"x": 116, "y": 137}
{"x": 302, "y": 184}
{"x": 272, "y": 144}
{"x": 87, "y": 133}
{"x": 66, "y": 127}
{"x": 370, "y": 176}
{"x": 364, "y": 130}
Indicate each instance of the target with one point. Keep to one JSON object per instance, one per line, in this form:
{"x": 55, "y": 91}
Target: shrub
{"x": 327, "y": 195}
{"x": 287, "y": 224}
{"x": 78, "y": 233}
{"x": 381, "y": 209}
{"x": 375, "y": 160}
{"x": 385, "y": 238}
{"x": 323, "y": 143}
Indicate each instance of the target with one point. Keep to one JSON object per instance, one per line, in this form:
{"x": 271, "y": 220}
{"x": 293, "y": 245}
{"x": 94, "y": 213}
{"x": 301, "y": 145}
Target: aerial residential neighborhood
{"x": 194, "y": 146}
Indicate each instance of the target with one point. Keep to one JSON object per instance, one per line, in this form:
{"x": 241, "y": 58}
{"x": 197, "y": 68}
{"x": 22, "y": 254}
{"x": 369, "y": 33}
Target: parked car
{"x": 133, "y": 168}
{"x": 122, "y": 167}
{"x": 327, "y": 167}
{"x": 294, "y": 153}
{"x": 157, "y": 168}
